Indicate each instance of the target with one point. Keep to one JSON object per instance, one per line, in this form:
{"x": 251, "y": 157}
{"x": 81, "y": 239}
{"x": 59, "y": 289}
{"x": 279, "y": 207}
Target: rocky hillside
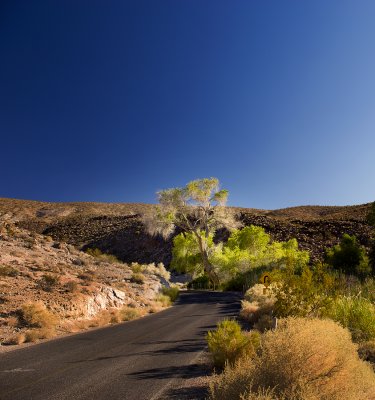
{"x": 49, "y": 287}
{"x": 117, "y": 228}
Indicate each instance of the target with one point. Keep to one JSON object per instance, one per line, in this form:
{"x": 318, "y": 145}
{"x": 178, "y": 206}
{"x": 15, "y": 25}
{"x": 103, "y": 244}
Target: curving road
{"x": 145, "y": 359}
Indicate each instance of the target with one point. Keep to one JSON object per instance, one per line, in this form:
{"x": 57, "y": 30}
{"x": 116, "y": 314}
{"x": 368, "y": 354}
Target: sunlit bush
{"x": 228, "y": 343}
{"x": 302, "y": 359}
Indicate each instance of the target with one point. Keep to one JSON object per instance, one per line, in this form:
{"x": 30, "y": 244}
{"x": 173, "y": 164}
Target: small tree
{"x": 199, "y": 209}
{"x": 349, "y": 257}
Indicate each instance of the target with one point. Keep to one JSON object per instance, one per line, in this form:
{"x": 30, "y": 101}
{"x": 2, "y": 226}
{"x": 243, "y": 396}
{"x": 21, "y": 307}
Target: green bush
{"x": 303, "y": 295}
{"x": 355, "y": 313}
{"x": 164, "y": 300}
{"x": 349, "y": 257}
{"x": 228, "y": 343}
{"x": 172, "y": 292}
{"x": 201, "y": 282}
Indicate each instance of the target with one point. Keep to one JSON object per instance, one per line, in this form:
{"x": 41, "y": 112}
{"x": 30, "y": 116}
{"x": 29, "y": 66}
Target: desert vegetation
{"x": 316, "y": 323}
{"x": 51, "y": 288}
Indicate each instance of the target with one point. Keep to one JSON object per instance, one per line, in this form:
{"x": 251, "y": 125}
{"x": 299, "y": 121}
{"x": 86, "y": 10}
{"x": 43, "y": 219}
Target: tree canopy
{"x": 198, "y": 209}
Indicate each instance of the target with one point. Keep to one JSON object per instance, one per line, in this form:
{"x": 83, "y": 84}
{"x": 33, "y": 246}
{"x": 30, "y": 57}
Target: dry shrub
{"x": 16, "y": 339}
{"x": 138, "y": 277}
{"x": 305, "y": 359}
{"x": 164, "y": 300}
{"x": 115, "y": 316}
{"x": 257, "y": 304}
{"x": 32, "y": 335}
{"x": 71, "y": 286}
{"x": 154, "y": 307}
{"x": 87, "y": 277}
{"x": 6, "y": 270}
{"x": 13, "y": 322}
{"x": 254, "y": 311}
{"x": 48, "y": 282}
{"x": 129, "y": 313}
{"x": 102, "y": 318}
{"x": 36, "y": 315}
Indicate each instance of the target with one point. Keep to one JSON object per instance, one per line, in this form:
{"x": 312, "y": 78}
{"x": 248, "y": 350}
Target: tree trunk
{"x": 208, "y": 267}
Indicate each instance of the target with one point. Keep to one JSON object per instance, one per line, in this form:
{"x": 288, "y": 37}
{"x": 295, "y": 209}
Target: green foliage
{"x": 241, "y": 260}
{"x": 228, "y": 343}
{"x": 163, "y": 299}
{"x": 305, "y": 294}
{"x": 172, "y": 292}
{"x": 186, "y": 254}
{"x": 201, "y": 282}
{"x": 355, "y": 313}
{"x": 349, "y": 257}
{"x": 198, "y": 209}
{"x": 251, "y": 248}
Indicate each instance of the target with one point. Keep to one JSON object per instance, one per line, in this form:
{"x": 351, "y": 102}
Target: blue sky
{"x": 114, "y": 100}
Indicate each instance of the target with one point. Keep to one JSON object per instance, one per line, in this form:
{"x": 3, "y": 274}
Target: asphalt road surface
{"x": 145, "y": 359}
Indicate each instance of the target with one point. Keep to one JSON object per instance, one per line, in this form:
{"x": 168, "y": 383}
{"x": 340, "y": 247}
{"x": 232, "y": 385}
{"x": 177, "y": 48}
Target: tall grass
{"x": 355, "y": 313}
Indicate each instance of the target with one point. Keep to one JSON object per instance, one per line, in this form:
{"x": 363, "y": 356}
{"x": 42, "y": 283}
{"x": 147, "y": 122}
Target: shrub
{"x": 227, "y": 343}
{"x": 32, "y": 335}
{"x": 349, "y": 257}
{"x": 201, "y": 282}
{"x": 164, "y": 300}
{"x": 172, "y": 292}
{"x": 36, "y": 315}
{"x": 355, "y": 313}
{"x": 302, "y": 359}
{"x": 158, "y": 269}
{"x": 87, "y": 277}
{"x": 6, "y": 270}
{"x": 138, "y": 278}
{"x": 16, "y": 339}
{"x": 71, "y": 286}
{"x": 97, "y": 253}
{"x": 130, "y": 313}
{"x": 48, "y": 282}
{"x": 305, "y": 294}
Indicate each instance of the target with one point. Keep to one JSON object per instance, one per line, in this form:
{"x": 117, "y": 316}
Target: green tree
{"x": 197, "y": 209}
{"x": 349, "y": 257}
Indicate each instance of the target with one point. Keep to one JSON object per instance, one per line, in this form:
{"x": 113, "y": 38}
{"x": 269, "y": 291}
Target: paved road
{"x": 144, "y": 359}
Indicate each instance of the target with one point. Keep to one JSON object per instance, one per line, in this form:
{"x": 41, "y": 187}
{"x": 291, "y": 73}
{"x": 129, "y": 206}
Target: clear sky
{"x": 113, "y": 100}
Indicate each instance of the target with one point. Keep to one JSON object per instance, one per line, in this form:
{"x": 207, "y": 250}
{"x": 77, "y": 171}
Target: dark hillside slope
{"x": 117, "y": 228}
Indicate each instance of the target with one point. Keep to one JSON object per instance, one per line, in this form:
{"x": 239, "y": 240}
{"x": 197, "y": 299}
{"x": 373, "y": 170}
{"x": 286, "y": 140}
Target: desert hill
{"x": 116, "y": 228}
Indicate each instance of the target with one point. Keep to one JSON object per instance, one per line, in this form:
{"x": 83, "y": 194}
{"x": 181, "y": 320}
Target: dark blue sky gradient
{"x": 113, "y": 100}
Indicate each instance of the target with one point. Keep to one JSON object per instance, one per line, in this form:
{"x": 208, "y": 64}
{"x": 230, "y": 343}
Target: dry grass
{"x": 16, "y": 339}
{"x": 258, "y": 306}
{"x": 33, "y": 335}
{"x": 36, "y": 315}
{"x": 306, "y": 359}
{"x": 130, "y": 313}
